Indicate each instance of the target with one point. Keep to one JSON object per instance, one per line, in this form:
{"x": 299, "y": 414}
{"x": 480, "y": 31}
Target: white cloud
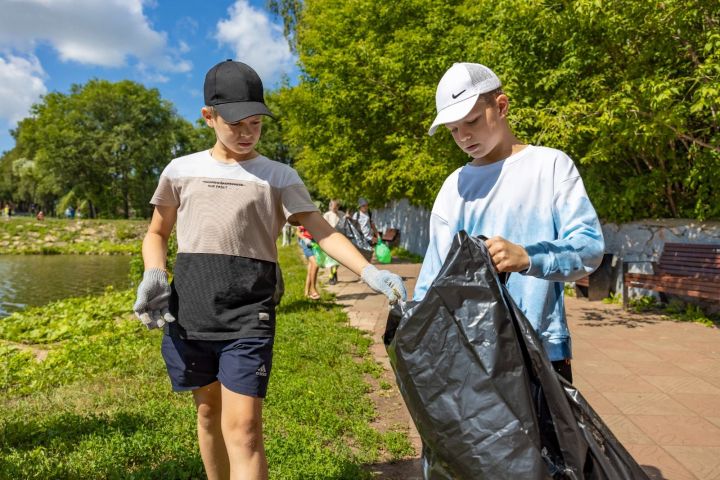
{"x": 256, "y": 41}
{"x": 103, "y": 33}
{"x": 149, "y": 75}
{"x": 21, "y": 85}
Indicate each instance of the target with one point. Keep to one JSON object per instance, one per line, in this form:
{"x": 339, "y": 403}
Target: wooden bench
{"x": 685, "y": 269}
{"x": 391, "y": 236}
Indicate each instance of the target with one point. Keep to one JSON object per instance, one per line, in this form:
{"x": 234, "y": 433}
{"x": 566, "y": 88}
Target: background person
{"x": 305, "y": 240}
{"x": 287, "y": 233}
{"x": 363, "y": 216}
{"x": 336, "y": 219}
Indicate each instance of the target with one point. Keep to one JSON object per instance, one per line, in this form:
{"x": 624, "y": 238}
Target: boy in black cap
{"x": 230, "y": 204}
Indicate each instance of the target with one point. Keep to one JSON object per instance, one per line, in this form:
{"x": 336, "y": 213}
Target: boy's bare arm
{"x": 331, "y": 241}
{"x": 154, "y": 247}
{"x": 340, "y": 248}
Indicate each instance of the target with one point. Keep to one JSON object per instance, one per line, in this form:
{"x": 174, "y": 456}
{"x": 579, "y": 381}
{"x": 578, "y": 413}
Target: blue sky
{"x": 48, "y": 45}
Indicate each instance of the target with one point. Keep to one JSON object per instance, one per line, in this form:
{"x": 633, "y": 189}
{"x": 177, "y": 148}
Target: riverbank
{"x": 84, "y": 394}
{"x": 26, "y": 235}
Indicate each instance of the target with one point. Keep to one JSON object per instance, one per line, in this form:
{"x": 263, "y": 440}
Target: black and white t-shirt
{"x": 228, "y": 219}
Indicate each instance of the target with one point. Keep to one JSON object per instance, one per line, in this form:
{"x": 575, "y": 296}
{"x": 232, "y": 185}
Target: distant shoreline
{"x": 27, "y": 236}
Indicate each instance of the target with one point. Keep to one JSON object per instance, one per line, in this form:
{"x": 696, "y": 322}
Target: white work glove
{"x": 385, "y": 282}
{"x": 153, "y": 295}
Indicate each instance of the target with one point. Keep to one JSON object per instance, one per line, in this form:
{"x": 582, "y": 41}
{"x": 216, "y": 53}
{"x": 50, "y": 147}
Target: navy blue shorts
{"x": 242, "y": 365}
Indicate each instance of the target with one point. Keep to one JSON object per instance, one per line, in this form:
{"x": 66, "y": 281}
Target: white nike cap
{"x": 459, "y": 89}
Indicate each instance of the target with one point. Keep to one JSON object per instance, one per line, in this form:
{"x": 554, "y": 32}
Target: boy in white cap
{"x": 528, "y": 200}
{"x": 230, "y": 204}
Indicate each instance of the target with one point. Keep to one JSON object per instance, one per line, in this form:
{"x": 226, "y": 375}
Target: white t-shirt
{"x": 336, "y": 220}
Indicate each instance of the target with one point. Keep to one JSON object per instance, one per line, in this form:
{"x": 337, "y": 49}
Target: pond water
{"x": 33, "y": 280}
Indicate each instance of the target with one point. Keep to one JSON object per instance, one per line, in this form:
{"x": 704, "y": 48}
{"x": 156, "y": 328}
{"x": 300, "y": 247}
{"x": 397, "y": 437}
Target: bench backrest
{"x": 390, "y": 234}
{"x": 690, "y": 259}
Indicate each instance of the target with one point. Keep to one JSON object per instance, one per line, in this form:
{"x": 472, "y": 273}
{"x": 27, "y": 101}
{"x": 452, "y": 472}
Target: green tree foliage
{"x": 105, "y": 143}
{"x": 630, "y": 90}
{"x": 272, "y": 142}
{"x": 7, "y": 181}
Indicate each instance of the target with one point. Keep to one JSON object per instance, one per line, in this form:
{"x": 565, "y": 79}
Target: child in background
{"x": 305, "y": 240}
{"x": 336, "y": 219}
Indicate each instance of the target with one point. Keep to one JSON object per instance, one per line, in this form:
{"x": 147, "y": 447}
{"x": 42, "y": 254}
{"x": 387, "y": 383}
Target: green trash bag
{"x": 323, "y": 259}
{"x": 382, "y": 252}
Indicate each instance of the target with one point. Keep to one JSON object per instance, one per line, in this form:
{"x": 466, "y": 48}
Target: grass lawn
{"x": 84, "y": 394}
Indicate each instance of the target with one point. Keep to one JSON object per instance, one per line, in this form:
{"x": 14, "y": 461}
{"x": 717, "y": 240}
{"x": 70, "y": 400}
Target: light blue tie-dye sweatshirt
{"x": 534, "y": 198}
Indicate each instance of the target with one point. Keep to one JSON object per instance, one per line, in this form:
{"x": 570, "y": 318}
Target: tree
{"x": 358, "y": 117}
{"x": 648, "y": 136}
{"x": 289, "y": 11}
{"x": 272, "y": 142}
{"x": 7, "y": 181}
{"x": 107, "y": 142}
{"x": 629, "y": 89}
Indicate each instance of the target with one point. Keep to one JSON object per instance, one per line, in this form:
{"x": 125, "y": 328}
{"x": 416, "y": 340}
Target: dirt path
{"x": 367, "y": 311}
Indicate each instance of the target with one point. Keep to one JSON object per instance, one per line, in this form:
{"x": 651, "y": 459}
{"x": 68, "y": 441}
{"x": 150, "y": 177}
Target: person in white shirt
{"x": 336, "y": 218}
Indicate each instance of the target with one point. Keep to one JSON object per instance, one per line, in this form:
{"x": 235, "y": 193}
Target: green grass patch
{"x": 676, "y": 309}
{"x": 401, "y": 253}
{"x": 84, "y": 394}
{"x": 25, "y": 235}
{"x": 613, "y": 299}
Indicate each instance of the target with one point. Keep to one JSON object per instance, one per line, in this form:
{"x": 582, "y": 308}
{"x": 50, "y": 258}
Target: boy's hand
{"x": 153, "y": 294}
{"x": 385, "y": 282}
{"x": 507, "y": 256}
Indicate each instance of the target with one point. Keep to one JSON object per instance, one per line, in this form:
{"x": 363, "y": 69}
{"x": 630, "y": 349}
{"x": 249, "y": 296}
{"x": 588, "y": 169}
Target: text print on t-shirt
{"x": 221, "y": 185}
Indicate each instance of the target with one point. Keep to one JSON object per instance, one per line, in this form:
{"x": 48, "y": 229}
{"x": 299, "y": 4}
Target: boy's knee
{"x": 243, "y": 432}
{"x": 208, "y": 415}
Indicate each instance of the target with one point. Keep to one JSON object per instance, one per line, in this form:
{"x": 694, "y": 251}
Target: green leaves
{"x": 628, "y": 89}
{"x": 106, "y": 142}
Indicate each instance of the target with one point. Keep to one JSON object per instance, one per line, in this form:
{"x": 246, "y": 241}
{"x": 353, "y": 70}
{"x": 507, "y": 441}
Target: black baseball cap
{"x": 235, "y": 90}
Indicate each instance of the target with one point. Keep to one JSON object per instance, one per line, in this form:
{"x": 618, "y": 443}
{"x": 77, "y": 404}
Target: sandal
{"x": 314, "y": 296}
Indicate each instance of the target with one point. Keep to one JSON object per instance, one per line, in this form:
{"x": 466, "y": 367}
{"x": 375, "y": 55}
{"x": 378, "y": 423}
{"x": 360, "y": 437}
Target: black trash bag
{"x": 351, "y": 229}
{"x": 481, "y": 391}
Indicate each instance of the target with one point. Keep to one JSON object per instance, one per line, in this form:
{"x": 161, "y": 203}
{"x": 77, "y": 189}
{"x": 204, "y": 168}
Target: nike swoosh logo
{"x": 455, "y": 96}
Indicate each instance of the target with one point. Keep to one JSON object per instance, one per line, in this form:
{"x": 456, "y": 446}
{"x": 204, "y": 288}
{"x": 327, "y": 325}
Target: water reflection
{"x": 38, "y": 279}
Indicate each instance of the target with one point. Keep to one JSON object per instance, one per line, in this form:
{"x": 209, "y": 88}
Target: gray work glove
{"x": 385, "y": 282}
{"x": 153, "y": 295}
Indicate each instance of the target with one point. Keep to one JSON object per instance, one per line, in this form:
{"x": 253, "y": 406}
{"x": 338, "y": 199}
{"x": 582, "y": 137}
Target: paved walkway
{"x": 655, "y": 383}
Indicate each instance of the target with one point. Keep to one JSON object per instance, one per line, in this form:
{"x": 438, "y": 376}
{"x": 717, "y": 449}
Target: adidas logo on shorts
{"x": 261, "y": 372}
